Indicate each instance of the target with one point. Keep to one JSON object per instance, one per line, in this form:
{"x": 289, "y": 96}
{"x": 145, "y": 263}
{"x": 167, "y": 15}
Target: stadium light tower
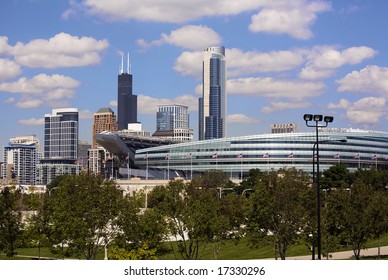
{"x": 317, "y": 123}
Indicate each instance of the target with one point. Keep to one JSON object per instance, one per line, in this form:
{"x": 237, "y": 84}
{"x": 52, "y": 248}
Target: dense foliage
{"x": 80, "y": 216}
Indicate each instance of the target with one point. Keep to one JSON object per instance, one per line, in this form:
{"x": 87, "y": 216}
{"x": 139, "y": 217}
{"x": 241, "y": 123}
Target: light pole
{"x": 224, "y": 189}
{"x": 317, "y": 119}
{"x": 318, "y": 191}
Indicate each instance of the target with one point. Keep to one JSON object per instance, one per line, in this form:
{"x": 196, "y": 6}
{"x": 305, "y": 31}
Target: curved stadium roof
{"x": 237, "y": 155}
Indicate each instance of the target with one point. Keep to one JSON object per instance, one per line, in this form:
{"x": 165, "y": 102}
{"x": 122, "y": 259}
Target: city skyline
{"x": 284, "y": 59}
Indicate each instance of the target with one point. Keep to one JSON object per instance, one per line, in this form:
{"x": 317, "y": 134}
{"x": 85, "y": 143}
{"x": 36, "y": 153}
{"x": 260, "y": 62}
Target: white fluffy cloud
{"x": 289, "y": 17}
{"x": 253, "y": 62}
{"x": 8, "y": 69}
{"x": 148, "y": 105}
{"x": 367, "y": 111}
{"x": 62, "y": 50}
{"x": 32, "y": 121}
{"x": 273, "y": 16}
{"x": 273, "y": 88}
{"x": 343, "y": 104}
{"x": 40, "y": 84}
{"x": 192, "y": 37}
{"x": 371, "y": 79}
{"x": 189, "y": 63}
{"x": 29, "y": 103}
{"x": 174, "y": 11}
{"x": 42, "y": 89}
{"x": 241, "y": 118}
{"x": 323, "y": 60}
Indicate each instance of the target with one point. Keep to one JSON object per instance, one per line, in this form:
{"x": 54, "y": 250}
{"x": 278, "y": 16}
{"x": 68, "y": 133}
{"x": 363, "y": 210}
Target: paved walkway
{"x": 347, "y": 254}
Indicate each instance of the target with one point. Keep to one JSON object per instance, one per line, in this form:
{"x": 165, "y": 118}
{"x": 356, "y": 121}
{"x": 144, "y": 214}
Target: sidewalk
{"x": 347, "y": 254}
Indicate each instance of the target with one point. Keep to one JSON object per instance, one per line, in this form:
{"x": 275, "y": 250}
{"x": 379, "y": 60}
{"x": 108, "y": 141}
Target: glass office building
{"x": 237, "y": 155}
{"x": 61, "y": 134}
{"x": 212, "y": 104}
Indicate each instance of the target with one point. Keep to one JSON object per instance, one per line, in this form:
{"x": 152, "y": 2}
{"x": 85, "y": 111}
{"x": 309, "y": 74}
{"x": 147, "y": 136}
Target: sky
{"x": 284, "y": 59}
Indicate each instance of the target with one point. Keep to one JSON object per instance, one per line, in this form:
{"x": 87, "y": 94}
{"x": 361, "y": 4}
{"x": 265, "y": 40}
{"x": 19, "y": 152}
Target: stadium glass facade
{"x": 237, "y": 155}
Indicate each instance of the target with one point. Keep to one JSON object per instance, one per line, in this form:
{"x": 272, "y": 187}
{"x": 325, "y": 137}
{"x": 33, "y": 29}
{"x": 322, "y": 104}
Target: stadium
{"x": 237, "y": 155}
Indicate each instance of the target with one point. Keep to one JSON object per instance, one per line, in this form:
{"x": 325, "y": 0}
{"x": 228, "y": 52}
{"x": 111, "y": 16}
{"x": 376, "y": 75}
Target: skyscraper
{"x": 20, "y": 163}
{"x": 212, "y": 104}
{"x": 172, "y": 121}
{"x": 104, "y": 120}
{"x": 61, "y": 134}
{"x": 126, "y": 102}
{"x": 60, "y": 145}
{"x": 170, "y": 117}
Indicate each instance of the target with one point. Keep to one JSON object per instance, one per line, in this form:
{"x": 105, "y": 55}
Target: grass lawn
{"x": 229, "y": 251}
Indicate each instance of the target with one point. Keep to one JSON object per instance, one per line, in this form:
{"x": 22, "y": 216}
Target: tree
{"x": 83, "y": 210}
{"x": 350, "y": 214}
{"x": 140, "y": 230}
{"x": 201, "y": 212}
{"x": 379, "y": 215}
{"x": 10, "y": 223}
{"x": 36, "y": 232}
{"x": 277, "y": 214}
{"x": 335, "y": 177}
{"x": 185, "y": 218}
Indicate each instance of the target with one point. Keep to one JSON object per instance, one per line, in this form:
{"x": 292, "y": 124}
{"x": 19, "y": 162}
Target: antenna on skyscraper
{"x": 128, "y": 66}
{"x": 122, "y": 64}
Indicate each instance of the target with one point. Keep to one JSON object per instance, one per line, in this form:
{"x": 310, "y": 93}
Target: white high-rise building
{"x": 20, "y": 161}
{"x": 212, "y": 104}
{"x": 28, "y": 139}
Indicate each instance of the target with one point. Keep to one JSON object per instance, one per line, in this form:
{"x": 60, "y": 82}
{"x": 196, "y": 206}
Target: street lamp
{"x": 317, "y": 119}
{"x": 318, "y": 191}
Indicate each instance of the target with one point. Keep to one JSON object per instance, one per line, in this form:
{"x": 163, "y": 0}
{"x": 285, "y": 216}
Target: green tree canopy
{"x": 83, "y": 210}
{"x": 10, "y": 222}
{"x": 277, "y": 213}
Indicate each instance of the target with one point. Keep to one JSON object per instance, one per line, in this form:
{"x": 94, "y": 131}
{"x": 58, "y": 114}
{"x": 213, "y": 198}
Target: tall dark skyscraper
{"x": 126, "y": 101}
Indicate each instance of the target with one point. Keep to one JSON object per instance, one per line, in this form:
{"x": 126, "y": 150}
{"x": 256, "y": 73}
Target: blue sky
{"x": 284, "y": 59}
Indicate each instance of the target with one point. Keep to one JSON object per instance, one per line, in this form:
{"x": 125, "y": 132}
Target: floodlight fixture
{"x": 328, "y": 119}
{"x": 308, "y": 117}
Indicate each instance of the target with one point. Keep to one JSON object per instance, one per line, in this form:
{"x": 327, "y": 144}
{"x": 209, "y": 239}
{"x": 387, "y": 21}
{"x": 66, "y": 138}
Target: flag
{"x": 374, "y": 157}
{"x": 146, "y": 156}
{"x": 266, "y": 155}
{"x": 357, "y": 156}
{"x": 240, "y": 155}
{"x": 214, "y": 155}
{"x": 315, "y": 155}
{"x": 337, "y": 155}
{"x": 127, "y": 157}
{"x": 167, "y": 156}
{"x": 189, "y": 155}
{"x": 291, "y": 155}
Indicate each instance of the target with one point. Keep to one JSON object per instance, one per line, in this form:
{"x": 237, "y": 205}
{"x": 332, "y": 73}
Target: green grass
{"x": 228, "y": 251}
{"x": 242, "y": 251}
